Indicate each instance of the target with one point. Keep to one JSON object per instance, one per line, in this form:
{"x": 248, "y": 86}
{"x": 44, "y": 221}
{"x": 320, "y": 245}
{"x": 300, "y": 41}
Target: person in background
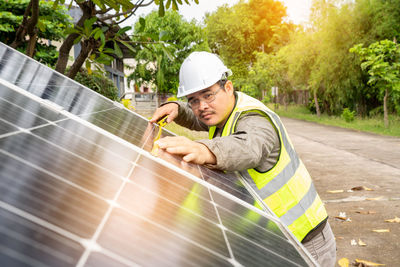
{"x": 247, "y": 137}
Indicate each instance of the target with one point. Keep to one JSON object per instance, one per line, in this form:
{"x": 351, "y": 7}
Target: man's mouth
{"x": 206, "y": 115}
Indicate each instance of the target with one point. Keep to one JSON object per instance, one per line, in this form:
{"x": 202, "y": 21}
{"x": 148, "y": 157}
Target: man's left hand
{"x": 191, "y": 151}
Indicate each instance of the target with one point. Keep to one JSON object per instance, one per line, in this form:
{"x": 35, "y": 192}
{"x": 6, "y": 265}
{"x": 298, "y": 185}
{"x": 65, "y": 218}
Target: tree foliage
{"x": 102, "y": 14}
{"x": 382, "y": 62}
{"x": 52, "y": 23}
{"x": 317, "y": 56}
{"x": 236, "y": 33}
{"x": 101, "y": 84}
{"x": 170, "y": 39}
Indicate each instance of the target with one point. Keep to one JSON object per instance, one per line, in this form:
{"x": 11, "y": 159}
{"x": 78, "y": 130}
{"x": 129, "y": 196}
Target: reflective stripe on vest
{"x": 287, "y": 187}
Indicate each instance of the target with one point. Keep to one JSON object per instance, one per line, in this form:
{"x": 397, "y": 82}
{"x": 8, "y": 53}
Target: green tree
{"x": 110, "y": 35}
{"x": 318, "y": 57}
{"x": 105, "y": 14}
{"x": 237, "y": 32}
{"x": 170, "y": 39}
{"x": 334, "y": 75}
{"x": 301, "y": 55}
{"x": 270, "y": 70}
{"x": 382, "y": 62}
{"x": 98, "y": 83}
{"x": 52, "y": 23}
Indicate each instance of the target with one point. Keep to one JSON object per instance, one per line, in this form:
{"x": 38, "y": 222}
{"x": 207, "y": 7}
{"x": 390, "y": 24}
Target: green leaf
{"x": 41, "y": 26}
{"x": 97, "y": 33}
{"x": 108, "y": 50}
{"x": 117, "y": 50}
{"x": 126, "y": 4}
{"x": 103, "y": 41}
{"x": 164, "y": 36}
{"x": 88, "y": 25}
{"x": 161, "y": 11}
{"x": 88, "y": 67}
{"x": 167, "y": 6}
{"x": 174, "y": 6}
{"x": 104, "y": 59}
{"x": 100, "y": 4}
{"x": 133, "y": 50}
{"x": 71, "y": 30}
{"x": 123, "y": 30}
{"x": 78, "y": 39}
{"x": 142, "y": 23}
{"x": 153, "y": 36}
{"x": 165, "y": 50}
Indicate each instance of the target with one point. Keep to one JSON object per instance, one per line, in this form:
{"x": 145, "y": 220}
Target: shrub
{"x": 172, "y": 98}
{"x": 348, "y": 115}
{"x": 100, "y": 84}
{"x": 128, "y": 104}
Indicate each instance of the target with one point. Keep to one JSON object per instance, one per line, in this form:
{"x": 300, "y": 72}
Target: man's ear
{"x": 229, "y": 87}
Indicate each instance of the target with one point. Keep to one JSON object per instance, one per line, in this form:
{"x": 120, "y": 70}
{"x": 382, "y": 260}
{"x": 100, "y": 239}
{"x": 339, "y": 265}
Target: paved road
{"x": 340, "y": 159}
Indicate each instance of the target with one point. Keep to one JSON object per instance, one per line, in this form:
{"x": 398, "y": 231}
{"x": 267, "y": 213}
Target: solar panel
{"x": 78, "y": 187}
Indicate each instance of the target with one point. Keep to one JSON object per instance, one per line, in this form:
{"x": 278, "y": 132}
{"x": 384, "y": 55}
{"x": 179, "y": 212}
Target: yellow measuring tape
{"x": 161, "y": 123}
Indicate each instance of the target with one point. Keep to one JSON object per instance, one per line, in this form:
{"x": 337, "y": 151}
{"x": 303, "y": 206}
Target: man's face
{"x": 215, "y": 112}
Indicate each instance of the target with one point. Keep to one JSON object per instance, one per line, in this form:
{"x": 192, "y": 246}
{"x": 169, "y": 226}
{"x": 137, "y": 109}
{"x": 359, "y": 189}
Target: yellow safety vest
{"x": 287, "y": 187}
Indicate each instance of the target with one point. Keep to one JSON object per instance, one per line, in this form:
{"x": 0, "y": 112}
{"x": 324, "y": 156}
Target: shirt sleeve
{"x": 254, "y": 144}
{"x": 187, "y": 119}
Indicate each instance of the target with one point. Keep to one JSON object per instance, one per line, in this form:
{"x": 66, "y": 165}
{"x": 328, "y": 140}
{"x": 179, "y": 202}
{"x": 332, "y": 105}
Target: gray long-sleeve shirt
{"x": 254, "y": 144}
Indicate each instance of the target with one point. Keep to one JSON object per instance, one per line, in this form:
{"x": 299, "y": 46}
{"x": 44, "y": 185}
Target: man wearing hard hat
{"x": 246, "y": 136}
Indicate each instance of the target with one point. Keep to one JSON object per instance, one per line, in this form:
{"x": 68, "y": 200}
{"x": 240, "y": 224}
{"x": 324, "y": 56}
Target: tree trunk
{"x": 285, "y": 102}
{"x": 28, "y": 26}
{"x": 88, "y": 10}
{"x": 385, "y": 112}
{"x": 30, "y": 50}
{"x": 316, "y": 104}
{"x": 83, "y": 55}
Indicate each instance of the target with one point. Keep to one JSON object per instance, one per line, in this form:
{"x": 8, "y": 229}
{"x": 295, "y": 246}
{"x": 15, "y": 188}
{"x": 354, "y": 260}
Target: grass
{"x": 371, "y": 125}
{"x": 179, "y": 130}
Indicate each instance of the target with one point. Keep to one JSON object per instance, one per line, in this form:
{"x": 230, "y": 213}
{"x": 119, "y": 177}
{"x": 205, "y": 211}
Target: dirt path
{"x": 340, "y": 159}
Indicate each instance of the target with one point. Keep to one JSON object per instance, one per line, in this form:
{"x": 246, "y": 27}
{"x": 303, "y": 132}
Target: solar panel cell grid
{"x": 20, "y": 101}
{"x": 249, "y": 253}
{"x": 48, "y": 198}
{"x": 88, "y": 151}
{"x": 122, "y": 124}
{"x": 85, "y": 191}
{"x": 146, "y": 243}
{"x": 229, "y": 182}
{"x": 58, "y": 162}
{"x": 156, "y": 185}
{"x": 6, "y": 127}
{"x": 47, "y": 84}
{"x": 23, "y": 243}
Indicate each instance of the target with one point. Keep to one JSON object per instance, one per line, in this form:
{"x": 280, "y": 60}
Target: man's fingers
{"x": 172, "y": 116}
{"x": 181, "y": 150}
{"x": 156, "y": 116}
{"x": 170, "y": 109}
{"x": 189, "y": 157}
{"x": 169, "y": 141}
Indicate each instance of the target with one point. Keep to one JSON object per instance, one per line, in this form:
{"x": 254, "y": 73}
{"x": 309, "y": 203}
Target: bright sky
{"x": 298, "y": 10}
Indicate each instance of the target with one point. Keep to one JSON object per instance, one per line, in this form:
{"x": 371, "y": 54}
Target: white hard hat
{"x": 200, "y": 70}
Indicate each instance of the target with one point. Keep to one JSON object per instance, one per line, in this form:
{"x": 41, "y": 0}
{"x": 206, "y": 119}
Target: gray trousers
{"x": 323, "y": 247}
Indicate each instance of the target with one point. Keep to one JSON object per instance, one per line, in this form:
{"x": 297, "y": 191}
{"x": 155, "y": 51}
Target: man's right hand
{"x": 170, "y": 109}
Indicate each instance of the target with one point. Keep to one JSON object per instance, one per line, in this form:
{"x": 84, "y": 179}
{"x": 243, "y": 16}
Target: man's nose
{"x": 203, "y": 105}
